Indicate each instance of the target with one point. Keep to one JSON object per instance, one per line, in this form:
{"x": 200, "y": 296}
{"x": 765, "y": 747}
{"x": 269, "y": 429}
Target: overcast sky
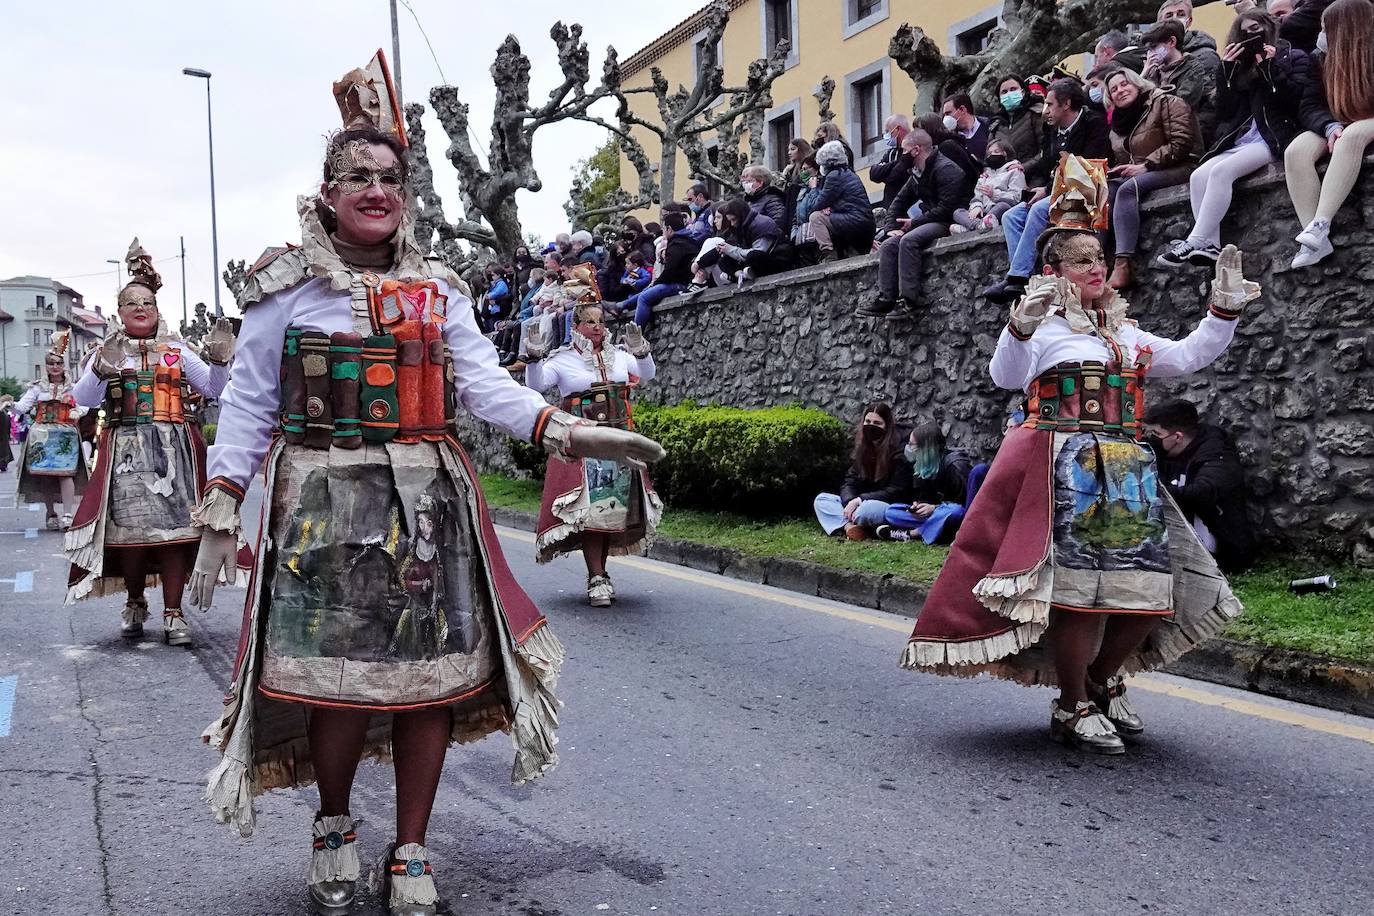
{"x": 105, "y": 139}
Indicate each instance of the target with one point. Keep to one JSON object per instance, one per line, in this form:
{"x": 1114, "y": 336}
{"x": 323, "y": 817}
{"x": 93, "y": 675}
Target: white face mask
{"x": 1096, "y": 93}
{"x": 749, "y": 186}
{"x": 1321, "y": 41}
{"x": 951, "y": 122}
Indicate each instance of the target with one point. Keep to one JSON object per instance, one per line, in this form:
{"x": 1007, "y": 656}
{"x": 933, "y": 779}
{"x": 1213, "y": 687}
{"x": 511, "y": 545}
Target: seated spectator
{"x": 761, "y": 195}
{"x": 841, "y": 217}
{"x": 1072, "y": 129}
{"x": 1201, "y": 46}
{"x": 708, "y": 274}
{"x": 672, "y": 278}
{"x": 798, "y": 151}
{"x": 1095, "y": 84}
{"x": 1174, "y": 70}
{"x": 949, "y": 145}
{"x": 937, "y": 187}
{"x": 827, "y": 131}
{"x": 1257, "y": 117}
{"x": 1199, "y": 466}
{"x": 1301, "y": 25}
{"x": 891, "y": 170}
{"x": 637, "y": 275}
{"x": 997, "y": 191}
{"x": 878, "y": 476}
{"x": 583, "y": 249}
{"x": 960, "y": 119}
{"x": 940, "y": 490}
{"x": 1338, "y": 112}
{"x": 751, "y": 245}
{"x": 1020, "y": 124}
{"x": 638, "y": 237}
{"x": 1115, "y": 47}
{"x": 806, "y": 249}
{"x": 608, "y": 276}
{"x": 698, "y": 201}
{"x": 1156, "y": 143}
{"x": 522, "y": 265}
{"x": 498, "y": 298}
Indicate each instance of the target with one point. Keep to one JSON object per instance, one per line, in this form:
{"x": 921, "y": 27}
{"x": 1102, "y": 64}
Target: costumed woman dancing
{"x": 1072, "y": 541}
{"x": 51, "y": 466}
{"x": 134, "y": 526}
{"x": 603, "y": 508}
{"x": 382, "y": 619}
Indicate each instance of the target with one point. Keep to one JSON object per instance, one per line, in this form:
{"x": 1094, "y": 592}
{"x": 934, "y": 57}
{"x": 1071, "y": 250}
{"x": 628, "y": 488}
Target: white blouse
{"x": 251, "y": 405}
{"x": 43, "y": 392}
{"x": 569, "y": 370}
{"x": 204, "y": 377}
{"x": 1018, "y": 363}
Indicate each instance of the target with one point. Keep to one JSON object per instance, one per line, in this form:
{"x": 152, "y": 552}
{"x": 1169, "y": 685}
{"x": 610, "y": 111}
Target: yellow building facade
{"x": 846, "y": 40}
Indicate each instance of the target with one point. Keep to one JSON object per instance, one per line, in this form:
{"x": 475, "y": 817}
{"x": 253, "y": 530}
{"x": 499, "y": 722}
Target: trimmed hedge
{"x": 766, "y": 462}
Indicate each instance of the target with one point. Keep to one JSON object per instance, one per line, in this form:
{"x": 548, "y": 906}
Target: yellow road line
{"x": 1146, "y": 682}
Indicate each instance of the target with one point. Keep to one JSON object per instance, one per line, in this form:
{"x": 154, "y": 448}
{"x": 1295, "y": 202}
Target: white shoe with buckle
{"x": 600, "y": 592}
{"x": 175, "y": 632}
{"x": 410, "y": 882}
{"x": 334, "y": 867}
{"x": 134, "y": 613}
{"x": 1085, "y": 728}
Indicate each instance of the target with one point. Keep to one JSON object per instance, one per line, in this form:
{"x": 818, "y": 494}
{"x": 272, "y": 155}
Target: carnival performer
{"x": 6, "y": 431}
{"x": 52, "y": 466}
{"x": 600, "y": 507}
{"x": 1072, "y": 541}
{"x": 134, "y": 528}
{"x": 383, "y": 620}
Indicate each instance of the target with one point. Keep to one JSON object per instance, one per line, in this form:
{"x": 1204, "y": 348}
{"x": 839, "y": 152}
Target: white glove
{"x": 619, "y": 445}
{"x": 109, "y": 359}
{"x": 633, "y": 339}
{"x": 219, "y": 343}
{"x": 1230, "y": 289}
{"x": 218, "y": 554}
{"x": 535, "y": 345}
{"x": 1034, "y": 306}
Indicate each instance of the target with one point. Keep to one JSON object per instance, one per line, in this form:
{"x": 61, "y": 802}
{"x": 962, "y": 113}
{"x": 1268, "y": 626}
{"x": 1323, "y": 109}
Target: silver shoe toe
{"x": 333, "y": 895}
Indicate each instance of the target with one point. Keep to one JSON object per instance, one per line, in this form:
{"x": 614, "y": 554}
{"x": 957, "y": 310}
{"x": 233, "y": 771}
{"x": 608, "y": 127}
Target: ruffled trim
{"x": 573, "y": 512}
{"x": 218, "y": 511}
{"x": 536, "y": 710}
{"x": 340, "y": 864}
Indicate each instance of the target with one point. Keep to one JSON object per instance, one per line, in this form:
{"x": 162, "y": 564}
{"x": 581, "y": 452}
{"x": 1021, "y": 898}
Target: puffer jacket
{"x": 769, "y": 201}
{"x": 843, "y": 193}
{"x": 998, "y": 186}
{"x": 1190, "y": 79}
{"x": 1167, "y": 135}
{"x": 1024, "y": 130}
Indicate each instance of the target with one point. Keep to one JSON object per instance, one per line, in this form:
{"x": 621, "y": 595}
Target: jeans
{"x": 899, "y": 261}
{"x": 1126, "y": 196}
{"x": 1022, "y": 225}
{"x": 1211, "y": 184}
{"x": 643, "y": 303}
{"x": 830, "y": 513}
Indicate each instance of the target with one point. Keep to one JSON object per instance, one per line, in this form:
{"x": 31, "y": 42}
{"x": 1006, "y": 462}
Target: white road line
{"x": 23, "y": 581}
{"x": 8, "y": 687}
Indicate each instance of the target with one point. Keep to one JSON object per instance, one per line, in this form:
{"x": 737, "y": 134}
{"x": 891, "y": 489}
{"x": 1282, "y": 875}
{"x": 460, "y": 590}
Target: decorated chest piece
{"x": 407, "y": 370}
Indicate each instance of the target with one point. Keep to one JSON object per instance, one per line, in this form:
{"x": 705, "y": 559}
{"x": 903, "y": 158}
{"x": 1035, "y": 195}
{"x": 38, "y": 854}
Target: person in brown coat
{"x": 1156, "y": 143}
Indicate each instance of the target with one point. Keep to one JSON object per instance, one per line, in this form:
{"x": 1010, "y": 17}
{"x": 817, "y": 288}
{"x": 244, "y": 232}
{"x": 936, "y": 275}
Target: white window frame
{"x": 792, "y": 108}
{"x": 794, "y": 54}
{"x": 881, "y": 68}
{"x": 851, "y": 26}
{"x": 988, "y": 14}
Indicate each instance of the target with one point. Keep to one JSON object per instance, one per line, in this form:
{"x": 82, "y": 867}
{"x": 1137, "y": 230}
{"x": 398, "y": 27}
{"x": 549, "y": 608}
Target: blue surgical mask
{"x": 694, "y": 207}
{"x": 889, "y": 141}
{"x": 1096, "y": 93}
{"x": 1012, "y": 100}
{"x": 1321, "y": 41}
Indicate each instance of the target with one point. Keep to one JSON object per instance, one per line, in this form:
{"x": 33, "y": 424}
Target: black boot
{"x": 878, "y": 308}
{"x": 903, "y": 310}
{"x": 1006, "y": 292}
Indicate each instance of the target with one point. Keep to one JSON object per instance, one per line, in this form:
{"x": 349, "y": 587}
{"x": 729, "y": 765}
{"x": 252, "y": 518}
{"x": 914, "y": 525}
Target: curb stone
{"x": 1301, "y": 677}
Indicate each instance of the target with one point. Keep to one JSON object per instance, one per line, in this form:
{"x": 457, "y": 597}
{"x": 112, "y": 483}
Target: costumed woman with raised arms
{"x": 600, "y": 507}
{"x": 382, "y": 619}
{"x": 134, "y": 527}
{"x": 1072, "y": 544}
{"x": 51, "y": 466}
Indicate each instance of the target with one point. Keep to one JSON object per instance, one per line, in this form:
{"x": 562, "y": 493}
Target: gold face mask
{"x": 355, "y": 169}
{"x": 1081, "y": 254}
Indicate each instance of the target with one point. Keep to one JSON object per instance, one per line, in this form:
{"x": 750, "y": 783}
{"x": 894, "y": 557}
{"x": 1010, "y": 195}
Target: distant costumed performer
{"x": 134, "y": 527}
{"x": 382, "y": 619}
{"x": 51, "y": 466}
{"x": 1072, "y": 544}
{"x": 603, "y": 508}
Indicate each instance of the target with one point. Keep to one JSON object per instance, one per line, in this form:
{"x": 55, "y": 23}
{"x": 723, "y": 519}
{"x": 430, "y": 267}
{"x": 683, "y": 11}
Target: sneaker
{"x": 1315, "y": 235}
{"x": 1175, "y": 255}
{"x": 1112, "y": 701}
{"x": 900, "y": 535}
{"x": 957, "y": 229}
{"x": 991, "y": 222}
{"x": 1085, "y": 729}
{"x": 878, "y": 308}
{"x": 1206, "y": 256}
{"x": 1306, "y": 257}
{"x": 903, "y": 310}
{"x": 883, "y": 532}
{"x": 1005, "y": 292}
{"x": 696, "y": 289}
{"x": 745, "y": 276}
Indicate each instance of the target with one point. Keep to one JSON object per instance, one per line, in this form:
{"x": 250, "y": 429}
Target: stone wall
{"x": 1296, "y": 388}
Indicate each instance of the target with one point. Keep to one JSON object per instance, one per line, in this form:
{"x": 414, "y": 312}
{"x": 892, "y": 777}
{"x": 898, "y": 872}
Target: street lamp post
{"x": 214, "y": 221}
{"x": 118, "y": 278}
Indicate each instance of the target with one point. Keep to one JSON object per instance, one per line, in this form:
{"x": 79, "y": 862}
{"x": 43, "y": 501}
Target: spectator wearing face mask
{"x": 1020, "y": 123}
{"x": 1200, "y": 45}
{"x": 751, "y": 245}
{"x": 1095, "y": 85}
{"x": 1173, "y": 69}
{"x": 1302, "y": 23}
{"x": 1156, "y": 142}
{"x": 1338, "y": 112}
{"x": 959, "y": 118}
{"x": 678, "y": 251}
{"x": 828, "y": 131}
{"x": 841, "y": 217}
{"x": 1200, "y": 467}
{"x": 892, "y": 170}
{"x": 878, "y": 476}
{"x": 997, "y": 191}
{"x": 1115, "y": 47}
{"x": 808, "y": 253}
{"x": 943, "y": 483}
{"x": 762, "y": 196}
{"x": 698, "y": 201}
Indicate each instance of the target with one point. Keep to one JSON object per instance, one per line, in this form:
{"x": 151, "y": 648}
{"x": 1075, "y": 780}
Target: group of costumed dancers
{"x": 381, "y": 617}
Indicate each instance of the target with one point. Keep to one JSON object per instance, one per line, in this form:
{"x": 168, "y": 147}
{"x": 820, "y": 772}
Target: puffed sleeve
{"x": 204, "y": 377}
{"x": 27, "y": 402}
{"x": 89, "y": 390}
{"x": 251, "y": 401}
{"x": 1183, "y": 357}
{"x": 1013, "y": 362}
{"x": 484, "y": 388}
{"x": 641, "y": 366}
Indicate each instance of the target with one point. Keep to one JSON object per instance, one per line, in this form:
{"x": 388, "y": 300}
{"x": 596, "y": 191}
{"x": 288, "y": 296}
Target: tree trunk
{"x": 667, "y": 172}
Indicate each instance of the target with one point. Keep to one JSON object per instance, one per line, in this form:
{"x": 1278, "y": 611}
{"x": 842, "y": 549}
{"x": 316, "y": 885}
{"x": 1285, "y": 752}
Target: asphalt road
{"x": 727, "y": 749}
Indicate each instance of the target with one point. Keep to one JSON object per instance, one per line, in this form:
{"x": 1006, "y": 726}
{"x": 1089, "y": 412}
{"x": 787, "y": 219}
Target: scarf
{"x": 1124, "y": 120}
{"x": 376, "y": 257}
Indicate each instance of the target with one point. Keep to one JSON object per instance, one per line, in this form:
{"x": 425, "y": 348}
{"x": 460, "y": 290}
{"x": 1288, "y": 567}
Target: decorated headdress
{"x": 581, "y": 285}
{"x": 58, "y": 342}
{"x": 1078, "y": 199}
{"x": 140, "y": 265}
{"x": 367, "y": 98}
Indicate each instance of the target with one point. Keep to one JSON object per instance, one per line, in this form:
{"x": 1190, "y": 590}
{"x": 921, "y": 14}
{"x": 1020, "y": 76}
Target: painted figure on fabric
{"x": 603, "y": 508}
{"x": 52, "y": 466}
{"x": 384, "y": 621}
{"x": 134, "y": 527}
{"x": 1072, "y": 542}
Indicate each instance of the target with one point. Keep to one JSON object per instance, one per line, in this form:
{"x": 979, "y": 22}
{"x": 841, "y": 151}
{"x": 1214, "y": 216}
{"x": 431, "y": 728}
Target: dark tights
{"x": 1080, "y": 662}
{"x": 595, "y": 549}
{"x": 175, "y": 561}
{"x": 419, "y": 741}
